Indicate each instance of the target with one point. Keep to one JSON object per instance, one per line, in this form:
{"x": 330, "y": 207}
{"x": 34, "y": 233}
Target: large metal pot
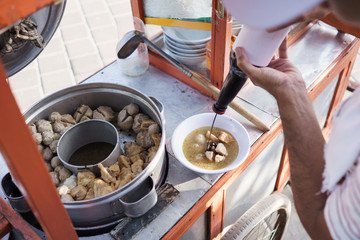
{"x": 109, "y": 209}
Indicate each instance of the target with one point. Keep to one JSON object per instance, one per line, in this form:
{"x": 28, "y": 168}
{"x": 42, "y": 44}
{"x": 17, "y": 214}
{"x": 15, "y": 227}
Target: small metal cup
{"x": 16, "y": 199}
{"x": 84, "y": 133}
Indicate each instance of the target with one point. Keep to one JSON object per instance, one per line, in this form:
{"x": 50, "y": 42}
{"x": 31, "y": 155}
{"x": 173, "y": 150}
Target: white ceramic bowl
{"x": 184, "y": 45}
{"x": 184, "y": 51}
{"x": 203, "y": 120}
{"x": 187, "y": 35}
{"x": 188, "y": 60}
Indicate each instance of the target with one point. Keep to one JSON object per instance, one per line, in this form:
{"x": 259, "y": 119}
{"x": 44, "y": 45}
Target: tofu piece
{"x": 209, "y": 155}
{"x": 225, "y": 137}
{"x": 219, "y": 158}
{"x": 101, "y": 188}
{"x": 63, "y": 190}
{"x": 78, "y": 192}
{"x": 221, "y": 149}
{"x": 85, "y": 178}
{"x": 90, "y": 194}
{"x": 213, "y": 138}
{"x": 137, "y": 167}
{"x": 114, "y": 170}
{"x": 67, "y": 198}
{"x": 132, "y": 149}
{"x": 106, "y": 175}
{"x": 137, "y": 157}
{"x": 156, "y": 137}
{"x": 124, "y": 161}
{"x": 146, "y": 124}
{"x": 151, "y": 153}
{"x": 124, "y": 178}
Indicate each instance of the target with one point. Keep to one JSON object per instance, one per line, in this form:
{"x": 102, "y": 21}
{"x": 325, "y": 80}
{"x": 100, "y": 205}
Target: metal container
{"x": 105, "y": 211}
{"x": 13, "y": 194}
{"x": 86, "y": 132}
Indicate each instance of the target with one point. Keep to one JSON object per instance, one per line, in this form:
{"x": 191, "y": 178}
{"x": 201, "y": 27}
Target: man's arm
{"x": 302, "y": 133}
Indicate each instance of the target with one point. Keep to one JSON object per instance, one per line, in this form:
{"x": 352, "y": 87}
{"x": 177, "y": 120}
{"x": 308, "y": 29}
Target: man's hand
{"x": 277, "y": 77}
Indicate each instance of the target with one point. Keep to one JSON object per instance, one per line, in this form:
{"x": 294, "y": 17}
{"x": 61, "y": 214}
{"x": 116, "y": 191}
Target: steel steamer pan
{"x": 105, "y": 211}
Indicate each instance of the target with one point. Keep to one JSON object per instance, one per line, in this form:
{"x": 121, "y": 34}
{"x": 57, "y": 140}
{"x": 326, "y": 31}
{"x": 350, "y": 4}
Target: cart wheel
{"x": 267, "y": 219}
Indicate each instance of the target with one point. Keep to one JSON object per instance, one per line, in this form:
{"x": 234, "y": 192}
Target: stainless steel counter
{"x": 312, "y": 54}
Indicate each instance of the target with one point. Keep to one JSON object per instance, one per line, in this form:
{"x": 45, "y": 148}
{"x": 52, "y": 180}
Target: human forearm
{"x": 303, "y": 135}
{"x": 305, "y": 145}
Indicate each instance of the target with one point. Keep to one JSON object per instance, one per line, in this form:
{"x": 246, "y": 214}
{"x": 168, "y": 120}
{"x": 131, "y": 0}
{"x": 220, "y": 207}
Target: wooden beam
{"x": 12, "y": 11}
{"x": 11, "y": 219}
{"x": 5, "y": 226}
{"x": 137, "y": 8}
{"x": 217, "y": 214}
{"x": 220, "y": 44}
{"x": 28, "y": 168}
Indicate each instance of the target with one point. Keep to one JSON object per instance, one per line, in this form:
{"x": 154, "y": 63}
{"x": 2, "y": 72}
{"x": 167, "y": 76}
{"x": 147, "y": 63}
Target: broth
{"x": 191, "y": 150}
{"x": 91, "y": 153}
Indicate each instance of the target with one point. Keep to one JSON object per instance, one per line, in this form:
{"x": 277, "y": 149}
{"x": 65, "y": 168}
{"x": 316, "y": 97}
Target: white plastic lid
{"x": 268, "y": 13}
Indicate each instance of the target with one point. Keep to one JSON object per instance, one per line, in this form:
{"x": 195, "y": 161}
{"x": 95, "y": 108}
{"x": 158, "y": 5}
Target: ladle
{"x": 131, "y": 41}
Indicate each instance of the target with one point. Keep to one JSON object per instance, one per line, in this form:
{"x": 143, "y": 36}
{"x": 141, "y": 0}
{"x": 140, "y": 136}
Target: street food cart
{"x": 200, "y": 206}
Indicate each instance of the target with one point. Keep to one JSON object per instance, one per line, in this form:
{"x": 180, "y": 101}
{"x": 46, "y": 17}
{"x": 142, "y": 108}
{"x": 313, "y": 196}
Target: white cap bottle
{"x": 259, "y": 45}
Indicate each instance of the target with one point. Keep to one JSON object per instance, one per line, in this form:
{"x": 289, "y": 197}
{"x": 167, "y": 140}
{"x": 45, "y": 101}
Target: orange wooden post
{"x": 217, "y": 214}
{"x": 13, "y": 10}
{"x": 220, "y": 44}
{"x": 10, "y": 220}
{"x": 5, "y": 227}
{"x": 137, "y": 9}
{"x": 28, "y": 168}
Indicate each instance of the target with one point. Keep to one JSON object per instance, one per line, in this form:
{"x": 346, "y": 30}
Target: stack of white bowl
{"x": 186, "y": 45}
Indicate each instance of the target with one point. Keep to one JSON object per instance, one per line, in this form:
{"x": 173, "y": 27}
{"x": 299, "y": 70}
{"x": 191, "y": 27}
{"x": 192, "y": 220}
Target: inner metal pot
{"x": 107, "y": 210}
{"x": 87, "y": 132}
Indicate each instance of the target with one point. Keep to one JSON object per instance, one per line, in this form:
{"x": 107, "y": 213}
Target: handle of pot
{"x": 159, "y": 105}
{"x": 140, "y": 200}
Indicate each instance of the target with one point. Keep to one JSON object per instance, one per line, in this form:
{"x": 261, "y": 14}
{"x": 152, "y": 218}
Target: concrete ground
{"x": 84, "y": 43}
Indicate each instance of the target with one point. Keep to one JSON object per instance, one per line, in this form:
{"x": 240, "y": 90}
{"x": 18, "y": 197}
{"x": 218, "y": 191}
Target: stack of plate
{"x": 186, "y": 45}
{"x": 236, "y": 27}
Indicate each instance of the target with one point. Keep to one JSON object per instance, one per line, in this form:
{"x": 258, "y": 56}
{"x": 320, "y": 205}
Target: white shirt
{"x": 342, "y": 160}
